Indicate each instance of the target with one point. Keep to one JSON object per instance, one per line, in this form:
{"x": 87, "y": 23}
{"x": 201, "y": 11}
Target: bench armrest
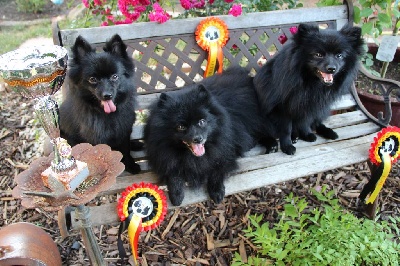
{"x": 385, "y": 86}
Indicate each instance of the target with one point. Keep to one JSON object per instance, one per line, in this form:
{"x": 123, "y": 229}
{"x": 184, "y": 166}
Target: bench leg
{"x": 89, "y": 239}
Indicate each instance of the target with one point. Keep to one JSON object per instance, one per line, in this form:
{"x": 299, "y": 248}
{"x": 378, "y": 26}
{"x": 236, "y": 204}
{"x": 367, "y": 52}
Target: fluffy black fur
{"x": 99, "y": 104}
{"x": 298, "y": 85}
{"x": 195, "y": 135}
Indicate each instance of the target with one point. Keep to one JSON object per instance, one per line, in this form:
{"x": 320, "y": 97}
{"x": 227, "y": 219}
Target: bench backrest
{"x": 167, "y": 56}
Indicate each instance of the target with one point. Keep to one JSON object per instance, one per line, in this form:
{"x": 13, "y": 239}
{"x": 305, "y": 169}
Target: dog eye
{"x": 114, "y": 77}
{"x": 202, "y": 122}
{"x": 181, "y": 128}
{"x": 339, "y": 56}
{"x": 318, "y": 55}
{"x": 92, "y": 80}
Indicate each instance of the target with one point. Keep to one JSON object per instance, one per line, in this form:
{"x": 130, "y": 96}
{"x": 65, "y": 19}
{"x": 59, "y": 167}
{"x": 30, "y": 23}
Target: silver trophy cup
{"x": 37, "y": 73}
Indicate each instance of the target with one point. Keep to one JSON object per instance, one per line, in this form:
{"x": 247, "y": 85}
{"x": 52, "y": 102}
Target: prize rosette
{"x": 211, "y": 35}
{"x": 383, "y": 153}
{"x": 141, "y": 207}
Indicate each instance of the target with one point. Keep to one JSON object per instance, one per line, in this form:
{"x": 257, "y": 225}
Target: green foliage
{"x": 329, "y": 3}
{"x": 376, "y": 15}
{"x": 269, "y": 5}
{"x": 20, "y": 34}
{"x": 30, "y": 6}
{"x": 327, "y": 235}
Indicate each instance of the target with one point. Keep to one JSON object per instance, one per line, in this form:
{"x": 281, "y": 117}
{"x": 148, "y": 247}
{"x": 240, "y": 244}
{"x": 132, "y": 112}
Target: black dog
{"x": 297, "y": 87}
{"x": 99, "y": 105}
{"x": 195, "y": 135}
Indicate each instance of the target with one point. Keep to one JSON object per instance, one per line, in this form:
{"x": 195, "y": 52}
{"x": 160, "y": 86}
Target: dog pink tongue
{"x": 198, "y": 149}
{"x": 328, "y": 78}
{"x": 109, "y": 106}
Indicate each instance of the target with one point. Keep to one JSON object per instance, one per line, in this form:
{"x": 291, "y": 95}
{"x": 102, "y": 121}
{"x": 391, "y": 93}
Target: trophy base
{"x": 68, "y": 180}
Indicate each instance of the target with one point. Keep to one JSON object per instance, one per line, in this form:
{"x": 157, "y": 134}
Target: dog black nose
{"x": 197, "y": 139}
{"x": 331, "y": 69}
{"x": 107, "y": 96}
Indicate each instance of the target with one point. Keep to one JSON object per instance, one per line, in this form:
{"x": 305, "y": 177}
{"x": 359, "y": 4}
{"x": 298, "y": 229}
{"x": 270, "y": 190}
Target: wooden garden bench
{"x": 168, "y": 57}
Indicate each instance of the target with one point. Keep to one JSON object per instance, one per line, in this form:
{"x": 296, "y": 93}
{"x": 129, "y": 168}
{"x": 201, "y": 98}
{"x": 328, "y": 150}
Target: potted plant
{"x": 374, "y": 17}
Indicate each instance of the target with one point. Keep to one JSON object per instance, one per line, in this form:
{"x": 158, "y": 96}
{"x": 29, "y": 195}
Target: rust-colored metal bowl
{"x": 27, "y": 244}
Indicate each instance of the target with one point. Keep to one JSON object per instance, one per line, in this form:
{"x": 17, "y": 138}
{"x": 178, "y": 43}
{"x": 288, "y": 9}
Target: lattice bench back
{"x": 168, "y": 57}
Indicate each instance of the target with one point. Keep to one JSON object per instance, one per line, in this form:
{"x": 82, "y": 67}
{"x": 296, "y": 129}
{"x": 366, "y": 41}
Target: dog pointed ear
{"x": 353, "y": 36}
{"x": 164, "y": 99}
{"x": 307, "y": 29}
{"x": 115, "y": 46}
{"x": 304, "y": 31}
{"x": 81, "y": 48}
{"x": 202, "y": 93}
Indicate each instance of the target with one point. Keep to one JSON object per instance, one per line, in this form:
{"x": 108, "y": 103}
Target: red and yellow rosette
{"x": 141, "y": 207}
{"x": 384, "y": 152}
{"x": 211, "y": 35}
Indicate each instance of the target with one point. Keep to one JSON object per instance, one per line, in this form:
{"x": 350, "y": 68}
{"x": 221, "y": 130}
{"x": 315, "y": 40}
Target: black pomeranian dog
{"x": 195, "y": 135}
{"x": 100, "y": 99}
{"x": 297, "y": 87}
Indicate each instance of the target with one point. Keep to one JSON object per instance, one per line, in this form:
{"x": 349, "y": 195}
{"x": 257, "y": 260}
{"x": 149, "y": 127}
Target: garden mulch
{"x": 202, "y": 234}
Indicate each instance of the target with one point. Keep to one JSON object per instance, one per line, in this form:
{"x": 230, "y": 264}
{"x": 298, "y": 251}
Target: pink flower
{"x": 229, "y": 1}
{"x": 282, "y": 38}
{"x": 236, "y": 10}
{"x": 189, "y": 4}
{"x": 158, "y": 14}
{"x": 199, "y": 4}
{"x": 293, "y": 29}
{"x": 97, "y": 2}
{"x": 86, "y": 3}
{"x": 186, "y": 4}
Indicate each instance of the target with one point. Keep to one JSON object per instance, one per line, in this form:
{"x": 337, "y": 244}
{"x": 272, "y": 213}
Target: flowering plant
{"x": 112, "y": 12}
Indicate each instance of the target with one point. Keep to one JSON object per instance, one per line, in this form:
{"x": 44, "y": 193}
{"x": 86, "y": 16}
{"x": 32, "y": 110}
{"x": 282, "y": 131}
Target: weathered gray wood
{"x": 318, "y": 159}
{"x": 175, "y": 27}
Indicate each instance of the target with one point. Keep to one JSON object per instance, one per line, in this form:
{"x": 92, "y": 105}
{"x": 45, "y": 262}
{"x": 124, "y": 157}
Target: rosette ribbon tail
{"x": 134, "y": 229}
{"x": 134, "y": 225}
{"x": 379, "y": 177}
{"x": 215, "y": 59}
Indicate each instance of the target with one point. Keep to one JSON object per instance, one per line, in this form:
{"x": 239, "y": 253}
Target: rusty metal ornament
{"x": 27, "y": 244}
{"x": 104, "y": 166}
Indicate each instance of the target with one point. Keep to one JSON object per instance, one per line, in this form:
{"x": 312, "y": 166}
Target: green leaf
{"x": 366, "y": 12}
{"x": 366, "y": 28}
{"x": 357, "y": 16}
{"x": 290, "y": 210}
{"x": 385, "y": 20}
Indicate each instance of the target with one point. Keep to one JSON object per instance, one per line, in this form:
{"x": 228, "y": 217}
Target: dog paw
{"x": 289, "y": 149}
{"x": 176, "y": 197}
{"x": 136, "y": 145}
{"x": 294, "y": 140}
{"x": 310, "y": 137}
{"x": 271, "y": 145}
{"x": 217, "y": 195}
{"x": 326, "y": 132}
{"x": 133, "y": 168}
{"x": 331, "y": 135}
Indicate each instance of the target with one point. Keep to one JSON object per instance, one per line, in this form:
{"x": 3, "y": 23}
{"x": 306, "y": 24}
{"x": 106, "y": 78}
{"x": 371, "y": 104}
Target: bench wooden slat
{"x": 307, "y": 161}
{"x": 347, "y": 132}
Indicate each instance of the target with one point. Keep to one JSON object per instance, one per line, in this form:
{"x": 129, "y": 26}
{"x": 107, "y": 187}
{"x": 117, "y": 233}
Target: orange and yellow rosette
{"x": 384, "y": 152}
{"x": 141, "y": 207}
{"x": 211, "y": 35}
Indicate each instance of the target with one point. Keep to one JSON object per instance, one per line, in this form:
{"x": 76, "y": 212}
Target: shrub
{"x": 327, "y": 235}
{"x": 30, "y": 6}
